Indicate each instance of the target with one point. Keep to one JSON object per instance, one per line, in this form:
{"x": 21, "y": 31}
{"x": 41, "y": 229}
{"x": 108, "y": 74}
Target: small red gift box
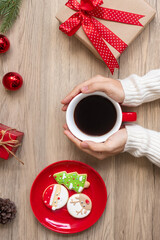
{"x": 10, "y": 139}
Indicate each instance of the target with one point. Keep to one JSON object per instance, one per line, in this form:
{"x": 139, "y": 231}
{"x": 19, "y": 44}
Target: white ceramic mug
{"x": 121, "y": 117}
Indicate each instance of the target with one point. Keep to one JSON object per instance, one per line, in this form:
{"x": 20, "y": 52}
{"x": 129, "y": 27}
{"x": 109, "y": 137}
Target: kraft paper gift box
{"x": 126, "y": 32}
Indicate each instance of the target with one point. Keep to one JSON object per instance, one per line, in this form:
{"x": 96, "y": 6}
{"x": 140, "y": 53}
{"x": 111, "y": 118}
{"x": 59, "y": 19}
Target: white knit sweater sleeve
{"x": 139, "y": 90}
{"x": 143, "y": 142}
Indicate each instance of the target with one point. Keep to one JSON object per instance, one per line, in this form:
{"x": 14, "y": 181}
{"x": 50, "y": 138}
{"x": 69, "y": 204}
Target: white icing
{"x": 52, "y": 195}
{"x": 60, "y": 199}
{"x": 53, "y": 208}
{"x": 80, "y": 189}
{"x": 64, "y": 176}
{"x": 71, "y": 186}
{"x": 63, "y": 198}
{"x": 80, "y": 178}
{"x": 74, "y": 208}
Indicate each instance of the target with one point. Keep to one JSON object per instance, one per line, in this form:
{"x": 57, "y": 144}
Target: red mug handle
{"x": 129, "y": 116}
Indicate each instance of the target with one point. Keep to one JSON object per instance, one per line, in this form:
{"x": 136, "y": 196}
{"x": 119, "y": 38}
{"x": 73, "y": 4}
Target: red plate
{"x": 60, "y": 220}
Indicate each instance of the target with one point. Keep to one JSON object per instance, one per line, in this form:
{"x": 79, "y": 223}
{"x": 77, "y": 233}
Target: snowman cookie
{"x": 72, "y": 180}
{"x": 79, "y": 205}
{"x": 55, "y": 196}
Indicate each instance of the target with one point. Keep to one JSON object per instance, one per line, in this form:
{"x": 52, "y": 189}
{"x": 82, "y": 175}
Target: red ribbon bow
{"x": 96, "y": 31}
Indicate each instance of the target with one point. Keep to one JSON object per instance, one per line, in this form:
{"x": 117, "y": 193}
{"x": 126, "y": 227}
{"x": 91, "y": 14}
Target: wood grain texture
{"x": 51, "y": 65}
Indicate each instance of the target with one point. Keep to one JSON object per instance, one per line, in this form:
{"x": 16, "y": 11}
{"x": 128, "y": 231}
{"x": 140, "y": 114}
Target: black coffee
{"x": 95, "y": 115}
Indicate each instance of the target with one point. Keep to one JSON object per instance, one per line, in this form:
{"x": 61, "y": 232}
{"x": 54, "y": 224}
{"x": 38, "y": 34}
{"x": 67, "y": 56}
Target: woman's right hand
{"x": 113, "y": 88}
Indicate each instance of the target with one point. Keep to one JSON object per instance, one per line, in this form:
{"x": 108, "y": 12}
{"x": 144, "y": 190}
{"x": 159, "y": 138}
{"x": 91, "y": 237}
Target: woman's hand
{"x": 116, "y": 143}
{"x": 112, "y": 146}
{"x": 113, "y": 88}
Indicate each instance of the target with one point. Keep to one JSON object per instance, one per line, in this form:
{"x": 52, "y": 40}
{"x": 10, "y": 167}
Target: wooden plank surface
{"x": 51, "y": 65}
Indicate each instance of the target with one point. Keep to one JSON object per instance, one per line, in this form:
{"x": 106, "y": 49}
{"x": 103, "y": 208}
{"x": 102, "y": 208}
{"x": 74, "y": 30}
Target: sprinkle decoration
{"x": 86, "y": 10}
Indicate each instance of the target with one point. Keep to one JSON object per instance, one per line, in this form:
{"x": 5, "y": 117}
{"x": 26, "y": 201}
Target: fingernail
{"x": 64, "y": 108}
{"x": 84, "y": 145}
{"x": 84, "y": 89}
{"x": 64, "y": 100}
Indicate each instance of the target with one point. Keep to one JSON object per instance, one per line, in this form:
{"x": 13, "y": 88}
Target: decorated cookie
{"x": 55, "y": 196}
{"x": 72, "y": 180}
{"x": 79, "y": 205}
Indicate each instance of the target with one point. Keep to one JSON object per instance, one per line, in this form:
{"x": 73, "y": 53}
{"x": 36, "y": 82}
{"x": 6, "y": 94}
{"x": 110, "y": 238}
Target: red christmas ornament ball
{"x": 12, "y": 81}
{"x": 4, "y": 44}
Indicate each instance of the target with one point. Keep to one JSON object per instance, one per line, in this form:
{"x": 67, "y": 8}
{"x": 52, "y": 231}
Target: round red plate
{"x": 60, "y": 220}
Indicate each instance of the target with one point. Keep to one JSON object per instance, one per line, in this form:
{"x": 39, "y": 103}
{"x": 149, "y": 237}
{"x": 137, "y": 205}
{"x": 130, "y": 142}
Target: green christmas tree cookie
{"x": 73, "y": 180}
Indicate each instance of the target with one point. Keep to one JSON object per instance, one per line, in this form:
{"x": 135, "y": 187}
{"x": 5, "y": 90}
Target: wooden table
{"x": 52, "y": 64}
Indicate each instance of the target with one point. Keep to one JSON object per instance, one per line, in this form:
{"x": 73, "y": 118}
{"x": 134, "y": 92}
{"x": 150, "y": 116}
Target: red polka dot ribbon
{"x": 86, "y": 10}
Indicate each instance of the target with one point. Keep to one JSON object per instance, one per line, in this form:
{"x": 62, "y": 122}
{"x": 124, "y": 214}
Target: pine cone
{"x": 7, "y": 210}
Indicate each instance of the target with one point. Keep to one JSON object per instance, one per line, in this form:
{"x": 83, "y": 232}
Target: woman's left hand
{"x": 112, "y": 146}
